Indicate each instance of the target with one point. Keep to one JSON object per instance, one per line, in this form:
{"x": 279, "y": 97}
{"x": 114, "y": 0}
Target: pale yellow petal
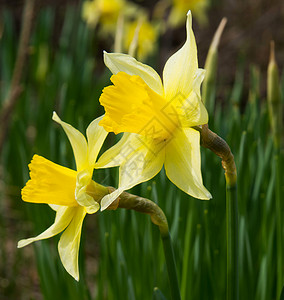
{"x": 55, "y": 207}
{"x": 144, "y": 159}
{"x": 181, "y": 67}
{"x": 84, "y": 178}
{"x": 78, "y": 142}
{"x": 63, "y": 217}
{"x": 68, "y": 246}
{"x": 197, "y": 80}
{"x": 116, "y": 154}
{"x": 144, "y": 163}
{"x": 183, "y": 163}
{"x": 117, "y": 62}
{"x": 96, "y": 136}
{"x": 191, "y": 111}
{"x": 108, "y": 199}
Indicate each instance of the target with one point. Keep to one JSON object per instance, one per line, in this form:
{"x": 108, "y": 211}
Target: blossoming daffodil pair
{"x": 158, "y": 123}
{"x": 157, "y": 120}
{"x": 72, "y": 194}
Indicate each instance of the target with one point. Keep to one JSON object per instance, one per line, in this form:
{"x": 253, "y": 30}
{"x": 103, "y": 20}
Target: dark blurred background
{"x": 251, "y": 25}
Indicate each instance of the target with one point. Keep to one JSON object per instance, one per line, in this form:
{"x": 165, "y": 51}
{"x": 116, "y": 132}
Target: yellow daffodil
{"x": 72, "y": 194}
{"x": 157, "y": 120}
{"x": 103, "y": 11}
{"x": 180, "y": 7}
{"x": 145, "y": 35}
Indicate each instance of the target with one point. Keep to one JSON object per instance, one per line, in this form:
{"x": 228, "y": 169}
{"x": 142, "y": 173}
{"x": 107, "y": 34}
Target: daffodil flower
{"x": 107, "y": 11}
{"x": 180, "y": 7}
{"x": 72, "y": 194}
{"x": 144, "y": 33}
{"x": 157, "y": 120}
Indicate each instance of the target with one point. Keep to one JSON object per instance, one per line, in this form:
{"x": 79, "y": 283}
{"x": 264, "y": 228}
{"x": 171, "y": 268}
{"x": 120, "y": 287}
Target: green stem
{"x": 171, "y": 265}
{"x": 158, "y": 217}
{"x": 279, "y": 224}
{"x": 217, "y": 145}
{"x": 275, "y": 107}
{"x": 232, "y": 242}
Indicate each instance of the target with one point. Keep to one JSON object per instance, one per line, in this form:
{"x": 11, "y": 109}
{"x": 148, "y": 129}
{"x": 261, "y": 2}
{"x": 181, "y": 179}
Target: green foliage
{"x": 121, "y": 254}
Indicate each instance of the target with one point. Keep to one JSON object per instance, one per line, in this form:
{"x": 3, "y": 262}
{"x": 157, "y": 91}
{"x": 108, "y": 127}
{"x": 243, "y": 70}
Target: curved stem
{"x": 217, "y": 145}
{"x": 158, "y": 217}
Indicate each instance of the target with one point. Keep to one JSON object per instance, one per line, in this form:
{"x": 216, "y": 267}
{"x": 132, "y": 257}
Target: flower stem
{"x": 275, "y": 107}
{"x": 171, "y": 265}
{"x": 217, "y": 145}
{"x": 158, "y": 217}
{"x": 279, "y": 224}
{"x": 232, "y": 242}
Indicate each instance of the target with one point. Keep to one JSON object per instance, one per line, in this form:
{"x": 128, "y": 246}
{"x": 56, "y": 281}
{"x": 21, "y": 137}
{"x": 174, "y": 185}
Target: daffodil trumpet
{"x": 157, "y": 120}
{"x": 72, "y": 194}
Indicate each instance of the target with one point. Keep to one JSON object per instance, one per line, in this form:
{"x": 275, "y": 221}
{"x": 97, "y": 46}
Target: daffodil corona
{"x": 72, "y": 194}
{"x": 157, "y": 120}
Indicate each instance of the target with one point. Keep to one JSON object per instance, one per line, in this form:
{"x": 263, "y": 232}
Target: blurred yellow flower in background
{"x": 180, "y": 8}
{"x": 127, "y": 22}
{"x": 105, "y": 12}
{"x": 142, "y": 36}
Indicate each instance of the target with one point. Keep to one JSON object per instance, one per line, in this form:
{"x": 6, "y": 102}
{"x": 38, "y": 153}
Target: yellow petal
{"x": 144, "y": 158}
{"x": 96, "y": 136}
{"x": 144, "y": 163}
{"x": 191, "y": 111}
{"x": 78, "y": 142}
{"x": 55, "y": 207}
{"x": 117, "y": 62}
{"x": 108, "y": 199}
{"x": 181, "y": 67}
{"x": 183, "y": 164}
{"x": 50, "y": 183}
{"x": 114, "y": 156}
{"x": 68, "y": 246}
{"x": 63, "y": 217}
{"x": 197, "y": 80}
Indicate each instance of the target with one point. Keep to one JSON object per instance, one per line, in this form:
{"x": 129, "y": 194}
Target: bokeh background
{"x": 121, "y": 253}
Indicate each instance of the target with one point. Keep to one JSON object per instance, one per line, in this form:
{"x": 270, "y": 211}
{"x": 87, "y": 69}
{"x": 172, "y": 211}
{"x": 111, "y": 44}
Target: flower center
{"x": 132, "y": 106}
